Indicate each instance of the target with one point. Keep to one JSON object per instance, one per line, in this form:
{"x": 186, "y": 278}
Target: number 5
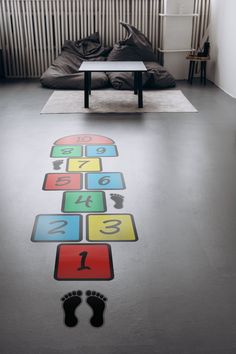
{"x": 62, "y": 181}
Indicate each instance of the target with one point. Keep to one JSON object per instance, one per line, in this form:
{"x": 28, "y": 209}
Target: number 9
{"x": 100, "y": 150}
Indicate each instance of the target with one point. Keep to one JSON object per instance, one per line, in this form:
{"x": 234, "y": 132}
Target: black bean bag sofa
{"x": 63, "y": 73}
{"x": 137, "y": 47}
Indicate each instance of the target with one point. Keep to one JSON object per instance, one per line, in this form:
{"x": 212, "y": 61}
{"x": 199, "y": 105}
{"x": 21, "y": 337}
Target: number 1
{"x": 83, "y": 260}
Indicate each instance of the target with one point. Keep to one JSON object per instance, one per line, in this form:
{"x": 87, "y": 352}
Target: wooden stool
{"x": 193, "y": 59}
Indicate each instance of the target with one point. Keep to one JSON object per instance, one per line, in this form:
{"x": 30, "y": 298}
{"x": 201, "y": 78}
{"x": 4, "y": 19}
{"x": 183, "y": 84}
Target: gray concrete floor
{"x": 174, "y": 290}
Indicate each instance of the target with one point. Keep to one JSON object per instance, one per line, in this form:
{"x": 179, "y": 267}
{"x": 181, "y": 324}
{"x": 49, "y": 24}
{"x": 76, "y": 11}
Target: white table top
{"x": 112, "y": 66}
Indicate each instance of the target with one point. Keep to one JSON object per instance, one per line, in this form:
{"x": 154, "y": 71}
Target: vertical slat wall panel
{"x": 16, "y": 29}
{"x": 2, "y": 36}
{"x": 34, "y": 36}
{"x": 28, "y": 41}
{"x": 201, "y": 23}
{"x": 33, "y": 31}
{"x": 12, "y": 69}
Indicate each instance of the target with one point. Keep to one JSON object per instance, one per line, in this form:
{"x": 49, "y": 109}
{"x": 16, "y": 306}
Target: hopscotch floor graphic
{"x": 85, "y": 188}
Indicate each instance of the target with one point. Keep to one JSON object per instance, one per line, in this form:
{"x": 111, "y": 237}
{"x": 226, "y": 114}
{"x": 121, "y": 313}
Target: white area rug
{"x": 115, "y": 101}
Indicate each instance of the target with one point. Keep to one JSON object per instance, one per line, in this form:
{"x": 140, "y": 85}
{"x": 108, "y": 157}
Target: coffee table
{"x": 137, "y": 67}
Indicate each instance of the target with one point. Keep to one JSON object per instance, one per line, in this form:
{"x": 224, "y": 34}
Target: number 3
{"x": 114, "y": 226}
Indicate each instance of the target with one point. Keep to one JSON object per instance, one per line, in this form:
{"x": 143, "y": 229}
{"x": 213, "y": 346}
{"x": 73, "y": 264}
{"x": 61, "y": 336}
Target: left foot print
{"x": 97, "y": 302}
{"x": 57, "y": 164}
{"x": 70, "y": 303}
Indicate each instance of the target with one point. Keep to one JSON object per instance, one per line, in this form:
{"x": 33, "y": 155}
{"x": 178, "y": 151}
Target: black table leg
{"x": 192, "y": 72}
{"x": 86, "y": 89}
{"x": 90, "y": 82}
{"x": 140, "y": 90}
{"x": 204, "y": 72}
{"x": 135, "y": 82}
{"x": 189, "y": 71}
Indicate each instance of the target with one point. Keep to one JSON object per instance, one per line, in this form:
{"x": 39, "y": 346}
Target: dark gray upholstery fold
{"x": 63, "y": 73}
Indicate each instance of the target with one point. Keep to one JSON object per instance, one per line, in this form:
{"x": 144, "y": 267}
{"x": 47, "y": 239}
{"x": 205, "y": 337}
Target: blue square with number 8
{"x": 101, "y": 150}
{"x": 105, "y": 180}
{"x": 57, "y": 228}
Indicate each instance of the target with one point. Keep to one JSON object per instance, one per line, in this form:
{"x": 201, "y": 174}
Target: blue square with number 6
{"x": 105, "y": 180}
{"x": 101, "y": 150}
{"x": 57, "y": 228}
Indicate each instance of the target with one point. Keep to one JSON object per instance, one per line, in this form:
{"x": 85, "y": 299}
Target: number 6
{"x": 104, "y": 180}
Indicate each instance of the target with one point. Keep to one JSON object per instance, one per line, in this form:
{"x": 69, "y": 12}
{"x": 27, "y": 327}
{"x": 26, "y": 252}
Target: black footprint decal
{"x": 118, "y": 199}
{"x": 70, "y": 303}
{"x": 57, "y": 164}
{"x": 97, "y": 302}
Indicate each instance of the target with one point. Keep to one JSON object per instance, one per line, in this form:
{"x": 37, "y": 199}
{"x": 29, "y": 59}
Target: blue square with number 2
{"x": 105, "y": 180}
{"x": 57, "y": 228}
{"x": 101, "y": 150}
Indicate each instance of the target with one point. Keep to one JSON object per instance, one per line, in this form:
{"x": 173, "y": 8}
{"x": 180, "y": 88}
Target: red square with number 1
{"x": 84, "y": 262}
{"x": 62, "y": 181}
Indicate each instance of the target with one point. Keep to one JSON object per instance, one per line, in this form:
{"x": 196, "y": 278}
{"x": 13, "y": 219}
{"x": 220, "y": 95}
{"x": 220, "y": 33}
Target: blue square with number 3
{"x": 105, "y": 180}
{"x": 101, "y": 150}
{"x": 57, "y": 228}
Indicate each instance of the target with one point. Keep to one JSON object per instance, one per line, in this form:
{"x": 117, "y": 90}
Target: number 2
{"x": 57, "y": 230}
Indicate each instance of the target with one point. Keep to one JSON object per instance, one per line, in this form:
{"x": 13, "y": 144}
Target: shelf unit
{"x": 177, "y": 19}
{"x": 178, "y": 15}
{"x": 175, "y": 50}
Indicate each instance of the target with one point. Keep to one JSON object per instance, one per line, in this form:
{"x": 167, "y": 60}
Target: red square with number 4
{"x": 62, "y": 181}
{"x": 84, "y": 262}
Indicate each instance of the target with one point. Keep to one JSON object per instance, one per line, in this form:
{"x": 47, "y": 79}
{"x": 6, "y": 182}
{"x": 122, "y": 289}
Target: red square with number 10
{"x": 84, "y": 262}
{"x": 62, "y": 181}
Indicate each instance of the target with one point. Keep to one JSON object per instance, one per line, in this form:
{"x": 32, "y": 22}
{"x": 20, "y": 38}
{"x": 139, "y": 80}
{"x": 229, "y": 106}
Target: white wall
{"x": 222, "y": 68}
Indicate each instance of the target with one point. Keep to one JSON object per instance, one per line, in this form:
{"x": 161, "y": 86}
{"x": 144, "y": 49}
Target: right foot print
{"x": 97, "y": 302}
{"x": 118, "y": 199}
{"x": 70, "y": 303}
{"x": 57, "y": 164}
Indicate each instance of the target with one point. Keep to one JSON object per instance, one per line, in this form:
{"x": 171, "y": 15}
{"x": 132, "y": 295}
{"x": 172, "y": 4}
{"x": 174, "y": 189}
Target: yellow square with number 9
{"x": 83, "y": 164}
{"x": 111, "y": 227}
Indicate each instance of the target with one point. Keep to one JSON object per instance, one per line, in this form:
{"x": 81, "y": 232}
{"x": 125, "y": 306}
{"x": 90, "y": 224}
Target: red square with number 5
{"x": 62, "y": 181}
{"x": 84, "y": 262}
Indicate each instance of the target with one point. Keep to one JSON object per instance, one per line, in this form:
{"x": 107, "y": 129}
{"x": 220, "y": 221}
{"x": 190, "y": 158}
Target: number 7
{"x": 82, "y": 163}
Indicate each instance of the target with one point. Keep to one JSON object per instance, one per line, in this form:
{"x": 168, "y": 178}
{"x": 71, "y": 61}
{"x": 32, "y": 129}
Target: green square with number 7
{"x": 83, "y": 202}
